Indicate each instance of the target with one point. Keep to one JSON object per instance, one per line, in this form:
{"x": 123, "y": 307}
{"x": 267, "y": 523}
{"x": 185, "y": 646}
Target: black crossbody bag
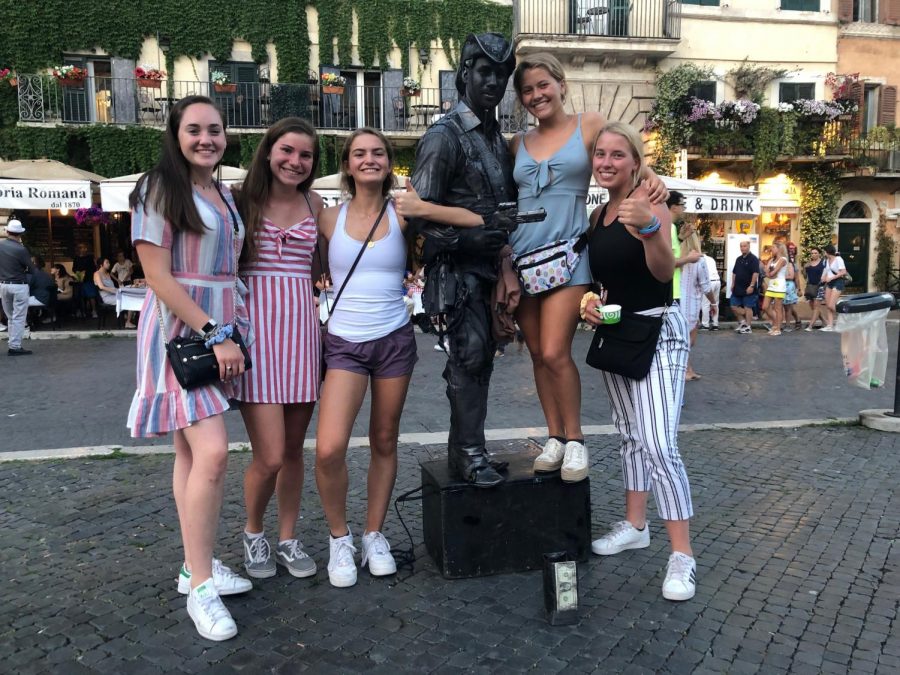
{"x": 193, "y": 363}
{"x": 626, "y": 348}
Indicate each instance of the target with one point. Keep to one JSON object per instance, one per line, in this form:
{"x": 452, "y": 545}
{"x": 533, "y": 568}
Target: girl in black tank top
{"x": 631, "y": 256}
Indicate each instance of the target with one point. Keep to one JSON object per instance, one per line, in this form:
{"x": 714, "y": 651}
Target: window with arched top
{"x": 855, "y": 209}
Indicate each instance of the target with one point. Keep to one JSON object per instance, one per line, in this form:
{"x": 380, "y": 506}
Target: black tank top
{"x": 618, "y": 263}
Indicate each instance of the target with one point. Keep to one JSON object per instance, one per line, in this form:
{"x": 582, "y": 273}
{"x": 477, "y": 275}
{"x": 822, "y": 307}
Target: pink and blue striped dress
{"x": 204, "y": 265}
{"x": 283, "y": 315}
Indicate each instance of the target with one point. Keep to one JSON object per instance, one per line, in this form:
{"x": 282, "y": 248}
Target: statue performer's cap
{"x": 491, "y": 45}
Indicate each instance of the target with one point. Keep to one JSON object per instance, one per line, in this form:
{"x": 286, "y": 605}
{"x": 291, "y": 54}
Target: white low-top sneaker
{"x": 227, "y": 582}
{"x": 551, "y": 457}
{"x": 681, "y": 577}
{"x": 341, "y": 565}
{"x": 622, "y": 537}
{"x": 376, "y": 552}
{"x": 211, "y": 618}
{"x": 575, "y": 463}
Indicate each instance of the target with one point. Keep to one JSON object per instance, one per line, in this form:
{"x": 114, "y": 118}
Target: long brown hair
{"x": 253, "y": 194}
{"x": 347, "y": 181}
{"x": 167, "y": 186}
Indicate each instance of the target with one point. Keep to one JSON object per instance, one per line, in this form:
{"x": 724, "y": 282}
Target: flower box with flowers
{"x": 222, "y": 83}
{"x": 9, "y": 76}
{"x": 411, "y": 87}
{"x": 70, "y": 76}
{"x": 149, "y": 78}
{"x": 333, "y": 83}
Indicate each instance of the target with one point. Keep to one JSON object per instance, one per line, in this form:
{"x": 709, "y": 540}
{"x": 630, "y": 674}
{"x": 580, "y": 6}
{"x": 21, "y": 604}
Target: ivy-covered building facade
{"x": 95, "y": 90}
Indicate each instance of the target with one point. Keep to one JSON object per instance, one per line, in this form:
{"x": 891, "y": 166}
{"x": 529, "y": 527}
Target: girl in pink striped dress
{"x": 279, "y": 393}
{"x": 188, "y": 236}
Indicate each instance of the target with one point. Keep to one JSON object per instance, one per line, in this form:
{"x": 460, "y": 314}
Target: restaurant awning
{"x": 700, "y": 197}
{"x": 44, "y": 184}
{"x": 114, "y": 191}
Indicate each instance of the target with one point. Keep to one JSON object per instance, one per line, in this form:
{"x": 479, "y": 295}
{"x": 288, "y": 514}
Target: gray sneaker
{"x": 291, "y": 556}
{"x": 258, "y": 557}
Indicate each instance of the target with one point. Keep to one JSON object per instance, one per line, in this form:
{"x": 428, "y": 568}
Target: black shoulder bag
{"x": 324, "y": 328}
{"x": 193, "y": 363}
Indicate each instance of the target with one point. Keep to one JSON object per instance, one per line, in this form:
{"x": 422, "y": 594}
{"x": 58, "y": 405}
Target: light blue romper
{"x": 560, "y": 186}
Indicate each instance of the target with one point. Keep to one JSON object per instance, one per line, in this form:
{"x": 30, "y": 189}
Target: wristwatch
{"x": 210, "y": 326}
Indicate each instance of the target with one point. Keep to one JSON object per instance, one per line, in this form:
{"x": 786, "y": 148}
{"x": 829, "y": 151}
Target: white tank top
{"x": 371, "y": 305}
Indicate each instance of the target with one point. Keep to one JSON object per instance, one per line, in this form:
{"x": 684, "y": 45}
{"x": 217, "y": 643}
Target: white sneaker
{"x": 622, "y": 537}
{"x": 341, "y": 566}
{"x": 226, "y": 581}
{"x": 681, "y": 572}
{"x": 211, "y": 617}
{"x": 551, "y": 458}
{"x": 377, "y": 553}
{"x": 575, "y": 463}
{"x": 3, "y": 328}
{"x": 826, "y": 329}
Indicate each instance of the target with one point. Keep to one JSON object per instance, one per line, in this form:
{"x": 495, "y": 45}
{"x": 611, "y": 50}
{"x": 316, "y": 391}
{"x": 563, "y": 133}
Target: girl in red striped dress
{"x": 279, "y": 392}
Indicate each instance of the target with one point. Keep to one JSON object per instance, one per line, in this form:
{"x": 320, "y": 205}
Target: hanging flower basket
{"x": 147, "y": 83}
{"x": 228, "y": 88}
{"x": 331, "y": 89}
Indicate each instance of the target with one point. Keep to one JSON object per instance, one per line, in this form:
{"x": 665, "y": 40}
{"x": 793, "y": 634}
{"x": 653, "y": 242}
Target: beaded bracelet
{"x": 219, "y": 335}
{"x": 651, "y": 229}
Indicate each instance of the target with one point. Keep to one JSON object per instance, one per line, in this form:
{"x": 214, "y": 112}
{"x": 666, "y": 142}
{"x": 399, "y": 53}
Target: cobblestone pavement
{"x": 795, "y": 536}
{"x": 74, "y": 393}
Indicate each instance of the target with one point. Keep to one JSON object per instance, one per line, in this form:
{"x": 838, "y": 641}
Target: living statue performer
{"x": 463, "y": 161}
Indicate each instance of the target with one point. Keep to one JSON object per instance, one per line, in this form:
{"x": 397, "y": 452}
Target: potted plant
{"x": 70, "y": 76}
{"x": 149, "y": 77}
{"x": 411, "y": 87}
{"x": 332, "y": 83}
{"x": 222, "y": 83}
{"x": 9, "y": 76}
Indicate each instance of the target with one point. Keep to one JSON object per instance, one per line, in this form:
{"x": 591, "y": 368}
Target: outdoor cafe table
{"x": 130, "y": 299}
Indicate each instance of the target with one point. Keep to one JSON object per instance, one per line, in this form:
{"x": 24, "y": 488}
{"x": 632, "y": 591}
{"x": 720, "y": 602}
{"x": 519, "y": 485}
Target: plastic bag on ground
{"x": 864, "y": 347}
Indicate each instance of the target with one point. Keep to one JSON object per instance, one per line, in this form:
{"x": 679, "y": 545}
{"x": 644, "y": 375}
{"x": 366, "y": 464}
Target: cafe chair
{"x": 401, "y": 114}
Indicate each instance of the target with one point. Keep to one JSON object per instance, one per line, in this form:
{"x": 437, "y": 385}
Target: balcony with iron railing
{"x": 642, "y": 30}
{"x": 248, "y": 106}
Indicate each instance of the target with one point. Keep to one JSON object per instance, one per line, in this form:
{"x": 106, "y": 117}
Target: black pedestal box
{"x": 473, "y": 532}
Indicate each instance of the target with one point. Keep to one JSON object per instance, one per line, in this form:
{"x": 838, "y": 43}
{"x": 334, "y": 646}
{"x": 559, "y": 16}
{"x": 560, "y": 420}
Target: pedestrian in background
{"x": 744, "y": 278}
{"x": 834, "y": 277}
{"x": 814, "y": 292}
{"x": 791, "y": 297}
{"x": 188, "y": 236}
{"x": 694, "y": 287}
{"x": 631, "y": 256}
{"x": 279, "y": 393}
{"x": 709, "y": 309}
{"x": 776, "y": 287}
{"x": 15, "y": 265}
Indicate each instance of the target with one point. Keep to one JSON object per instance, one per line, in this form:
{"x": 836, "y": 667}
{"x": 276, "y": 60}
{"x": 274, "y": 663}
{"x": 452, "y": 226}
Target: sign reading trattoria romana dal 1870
{"x": 30, "y": 194}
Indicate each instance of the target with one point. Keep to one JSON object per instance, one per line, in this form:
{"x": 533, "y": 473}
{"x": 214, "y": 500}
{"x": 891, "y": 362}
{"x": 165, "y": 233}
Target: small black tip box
{"x": 473, "y": 532}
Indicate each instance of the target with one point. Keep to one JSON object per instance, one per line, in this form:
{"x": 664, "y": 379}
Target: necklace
{"x": 208, "y": 186}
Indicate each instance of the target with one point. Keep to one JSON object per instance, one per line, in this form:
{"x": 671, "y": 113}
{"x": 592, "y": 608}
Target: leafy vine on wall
{"x": 820, "y": 194}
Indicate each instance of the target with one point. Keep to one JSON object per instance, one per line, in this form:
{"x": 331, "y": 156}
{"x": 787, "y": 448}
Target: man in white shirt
{"x": 123, "y": 269}
{"x": 709, "y": 312}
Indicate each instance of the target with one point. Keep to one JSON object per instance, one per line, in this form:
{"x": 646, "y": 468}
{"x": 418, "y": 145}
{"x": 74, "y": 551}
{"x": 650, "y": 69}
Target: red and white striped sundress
{"x": 283, "y": 316}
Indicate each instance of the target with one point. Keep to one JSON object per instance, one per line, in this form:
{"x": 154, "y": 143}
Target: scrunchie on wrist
{"x": 219, "y": 336}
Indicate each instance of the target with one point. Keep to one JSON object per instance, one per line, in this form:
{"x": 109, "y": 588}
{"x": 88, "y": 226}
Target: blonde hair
{"x": 691, "y": 243}
{"x": 540, "y": 60}
{"x": 631, "y": 135}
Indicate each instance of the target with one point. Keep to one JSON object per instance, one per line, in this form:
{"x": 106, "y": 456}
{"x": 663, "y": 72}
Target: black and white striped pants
{"x": 646, "y": 413}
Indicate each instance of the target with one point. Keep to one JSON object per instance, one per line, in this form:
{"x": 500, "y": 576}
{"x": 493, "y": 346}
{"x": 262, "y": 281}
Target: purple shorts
{"x": 393, "y": 355}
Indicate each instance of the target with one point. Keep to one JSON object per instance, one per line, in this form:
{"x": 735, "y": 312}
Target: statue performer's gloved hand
{"x": 481, "y": 242}
{"x": 503, "y": 219}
